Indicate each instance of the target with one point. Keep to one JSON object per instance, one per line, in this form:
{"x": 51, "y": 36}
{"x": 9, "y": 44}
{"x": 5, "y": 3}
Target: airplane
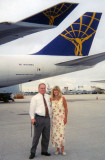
{"x": 47, "y": 19}
{"x": 68, "y": 52}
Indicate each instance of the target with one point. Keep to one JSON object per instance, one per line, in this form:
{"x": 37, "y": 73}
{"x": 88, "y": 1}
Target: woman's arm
{"x": 66, "y": 110}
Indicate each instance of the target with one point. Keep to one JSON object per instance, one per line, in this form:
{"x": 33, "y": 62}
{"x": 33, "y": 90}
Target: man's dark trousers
{"x": 42, "y": 127}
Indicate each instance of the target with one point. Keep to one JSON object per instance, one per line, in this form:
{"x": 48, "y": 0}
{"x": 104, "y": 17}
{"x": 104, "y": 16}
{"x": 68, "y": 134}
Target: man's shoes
{"x": 32, "y": 155}
{"x": 45, "y": 154}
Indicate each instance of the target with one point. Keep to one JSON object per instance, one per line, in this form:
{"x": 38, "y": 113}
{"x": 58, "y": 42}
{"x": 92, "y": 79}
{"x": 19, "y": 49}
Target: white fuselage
{"x": 25, "y": 68}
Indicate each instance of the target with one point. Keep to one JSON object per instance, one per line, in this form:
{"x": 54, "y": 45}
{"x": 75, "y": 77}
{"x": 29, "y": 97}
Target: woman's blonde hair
{"x": 52, "y": 92}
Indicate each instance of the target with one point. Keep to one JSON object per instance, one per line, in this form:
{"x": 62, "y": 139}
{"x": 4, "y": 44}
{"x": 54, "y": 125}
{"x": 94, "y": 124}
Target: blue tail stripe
{"x": 77, "y": 39}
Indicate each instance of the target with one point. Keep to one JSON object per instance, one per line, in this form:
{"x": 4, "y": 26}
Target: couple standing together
{"x": 42, "y": 108}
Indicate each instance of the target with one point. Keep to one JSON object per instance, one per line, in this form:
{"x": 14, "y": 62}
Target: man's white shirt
{"x": 37, "y": 105}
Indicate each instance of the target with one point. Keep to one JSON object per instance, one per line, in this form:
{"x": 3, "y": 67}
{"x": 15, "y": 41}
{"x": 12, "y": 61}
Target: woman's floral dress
{"x": 57, "y": 126}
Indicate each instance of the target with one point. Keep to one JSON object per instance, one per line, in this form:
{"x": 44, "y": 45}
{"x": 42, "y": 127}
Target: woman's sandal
{"x": 63, "y": 153}
{"x": 57, "y": 152}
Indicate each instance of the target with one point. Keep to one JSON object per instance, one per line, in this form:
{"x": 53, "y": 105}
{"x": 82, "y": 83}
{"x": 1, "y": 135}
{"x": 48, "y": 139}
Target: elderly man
{"x": 40, "y": 118}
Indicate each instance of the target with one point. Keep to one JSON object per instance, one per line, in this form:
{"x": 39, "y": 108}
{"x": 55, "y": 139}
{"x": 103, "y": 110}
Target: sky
{"x": 16, "y": 10}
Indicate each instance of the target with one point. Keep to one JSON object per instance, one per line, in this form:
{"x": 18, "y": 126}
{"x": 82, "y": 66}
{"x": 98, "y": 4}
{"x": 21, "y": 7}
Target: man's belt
{"x": 41, "y": 116}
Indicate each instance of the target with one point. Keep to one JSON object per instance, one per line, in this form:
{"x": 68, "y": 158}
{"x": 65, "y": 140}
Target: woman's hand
{"x": 65, "y": 120}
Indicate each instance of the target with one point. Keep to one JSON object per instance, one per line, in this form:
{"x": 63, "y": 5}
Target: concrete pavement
{"x": 85, "y": 130}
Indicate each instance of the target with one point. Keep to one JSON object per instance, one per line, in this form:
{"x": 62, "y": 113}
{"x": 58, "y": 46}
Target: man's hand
{"x": 33, "y": 121}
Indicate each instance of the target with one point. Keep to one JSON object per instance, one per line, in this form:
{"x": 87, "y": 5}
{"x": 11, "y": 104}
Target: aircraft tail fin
{"x": 52, "y": 16}
{"x": 77, "y": 39}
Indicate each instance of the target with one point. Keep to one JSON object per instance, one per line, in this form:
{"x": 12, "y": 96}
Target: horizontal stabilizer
{"x": 12, "y": 31}
{"x": 88, "y": 61}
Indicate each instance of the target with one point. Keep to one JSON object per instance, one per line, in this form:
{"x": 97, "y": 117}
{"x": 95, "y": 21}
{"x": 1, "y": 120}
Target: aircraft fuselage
{"x": 25, "y": 68}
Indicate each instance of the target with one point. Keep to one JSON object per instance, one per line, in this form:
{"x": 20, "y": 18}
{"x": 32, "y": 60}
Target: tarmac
{"x": 85, "y": 130}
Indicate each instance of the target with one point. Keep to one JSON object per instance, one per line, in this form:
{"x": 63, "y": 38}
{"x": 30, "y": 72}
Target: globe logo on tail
{"x": 81, "y": 31}
{"x": 57, "y": 11}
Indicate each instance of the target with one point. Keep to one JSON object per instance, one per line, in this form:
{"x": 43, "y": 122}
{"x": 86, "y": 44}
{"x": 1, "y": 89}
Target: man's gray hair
{"x": 41, "y": 84}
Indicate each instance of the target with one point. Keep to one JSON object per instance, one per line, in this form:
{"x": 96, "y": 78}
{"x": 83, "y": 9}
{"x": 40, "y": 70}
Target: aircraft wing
{"x": 46, "y": 19}
{"x": 85, "y": 62}
{"x": 12, "y": 31}
{"x": 99, "y": 81}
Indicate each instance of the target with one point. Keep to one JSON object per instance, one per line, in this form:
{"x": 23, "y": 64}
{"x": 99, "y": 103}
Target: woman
{"x": 59, "y": 120}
